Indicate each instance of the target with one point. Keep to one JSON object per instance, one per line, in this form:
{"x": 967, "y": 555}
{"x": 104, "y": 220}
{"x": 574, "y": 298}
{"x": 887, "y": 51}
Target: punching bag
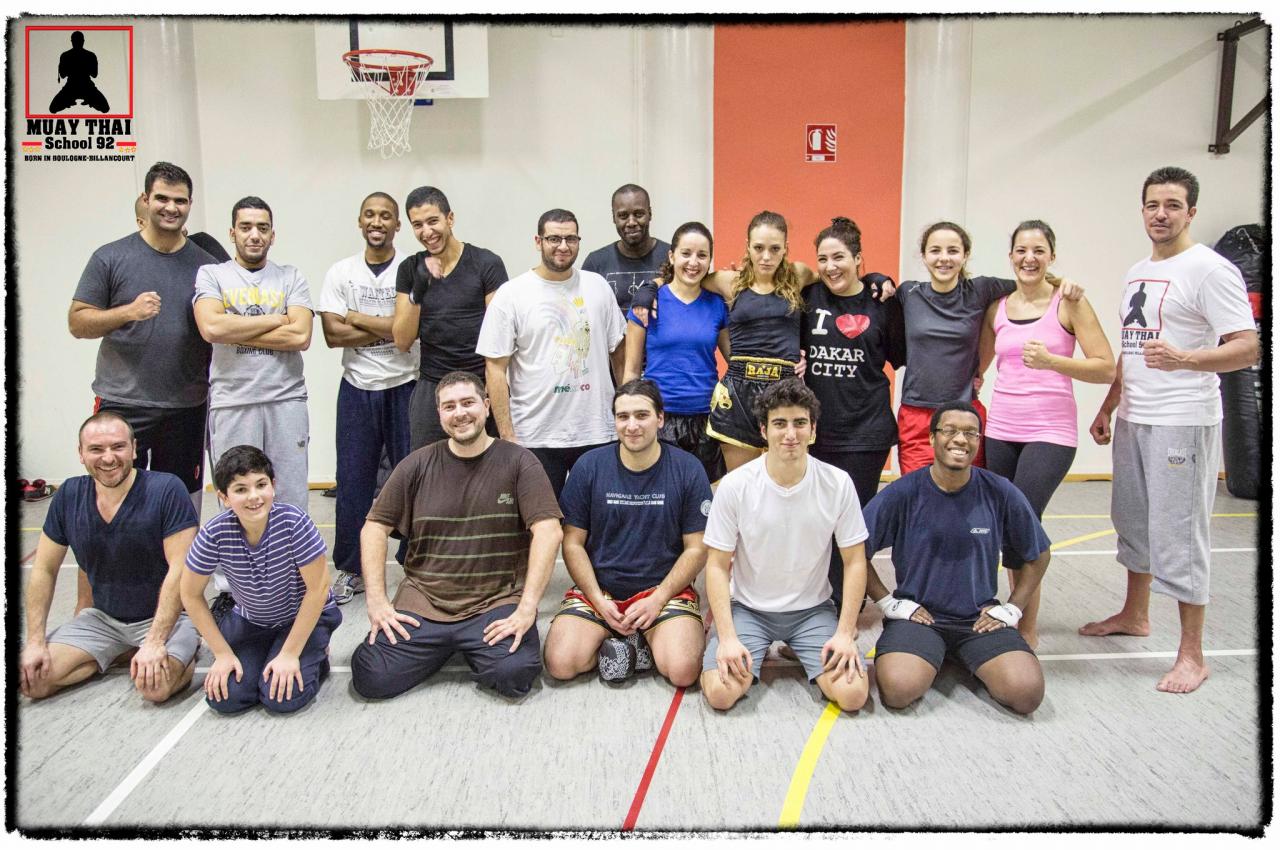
{"x": 1245, "y": 246}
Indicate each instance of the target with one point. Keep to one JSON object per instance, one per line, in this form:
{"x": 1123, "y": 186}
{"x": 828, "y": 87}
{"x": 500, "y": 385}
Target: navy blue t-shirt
{"x": 635, "y": 521}
{"x": 946, "y": 546}
{"x": 125, "y": 558}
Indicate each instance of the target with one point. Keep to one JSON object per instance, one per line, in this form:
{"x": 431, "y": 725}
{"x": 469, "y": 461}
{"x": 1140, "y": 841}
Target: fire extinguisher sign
{"x": 820, "y": 143}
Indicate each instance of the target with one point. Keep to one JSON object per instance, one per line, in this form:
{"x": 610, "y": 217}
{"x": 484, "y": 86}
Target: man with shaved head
{"x": 636, "y": 257}
{"x": 357, "y": 308}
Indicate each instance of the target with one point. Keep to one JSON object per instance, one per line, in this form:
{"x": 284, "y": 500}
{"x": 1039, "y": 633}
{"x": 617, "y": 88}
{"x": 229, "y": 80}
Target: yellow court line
{"x": 1083, "y": 538}
{"x": 794, "y": 803}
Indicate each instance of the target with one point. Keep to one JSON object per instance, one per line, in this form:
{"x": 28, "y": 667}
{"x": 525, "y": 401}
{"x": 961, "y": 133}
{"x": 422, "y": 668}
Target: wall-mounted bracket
{"x": 1224, "y": 134}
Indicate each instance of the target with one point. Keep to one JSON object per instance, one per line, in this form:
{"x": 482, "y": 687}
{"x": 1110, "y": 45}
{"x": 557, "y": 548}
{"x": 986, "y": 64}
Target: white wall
{"x": 560, "y": 129}
{"x": 1067, "y": 117}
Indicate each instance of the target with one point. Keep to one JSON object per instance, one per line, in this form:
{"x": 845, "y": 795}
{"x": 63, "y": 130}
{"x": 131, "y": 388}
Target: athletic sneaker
{"x": 221, "y": 607}
{"x": 617, "y": 660}
{"x": 347, "y": 586}
{"x": 644, "y": 658}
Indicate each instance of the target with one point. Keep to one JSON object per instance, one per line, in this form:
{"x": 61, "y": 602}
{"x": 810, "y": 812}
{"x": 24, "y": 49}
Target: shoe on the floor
{"x": 221, "y": 607}
{"x": 617, "y": 660}
{"x": 331, "y": 492}
{"x": 347, "y": 586}
{"x": 644, "y": 658}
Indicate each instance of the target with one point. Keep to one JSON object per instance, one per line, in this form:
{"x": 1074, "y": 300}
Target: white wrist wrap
{"x": 896, "y": 609}
{"x": 1008, "y": 613}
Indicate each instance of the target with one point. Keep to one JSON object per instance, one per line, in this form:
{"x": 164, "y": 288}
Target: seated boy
{"x": 273, "y": 646}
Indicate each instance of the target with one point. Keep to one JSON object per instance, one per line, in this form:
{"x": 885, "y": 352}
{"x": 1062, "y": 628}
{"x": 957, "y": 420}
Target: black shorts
{"x": 689, "y": 432}
{"x": 957, "y": 639}
{"x": 170, "y": 439}
{"x": 732, "y": 419}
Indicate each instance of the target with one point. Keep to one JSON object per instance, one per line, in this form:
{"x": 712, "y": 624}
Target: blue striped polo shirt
{"x": 265, "y": 579}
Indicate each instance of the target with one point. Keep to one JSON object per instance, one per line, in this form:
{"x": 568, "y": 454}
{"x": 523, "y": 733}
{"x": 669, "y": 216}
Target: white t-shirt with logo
{"x": 559, "y": 335}
{"x": 351, "y": 285}
{"x": 1188, "y": 300}
{"x": 780, "y": 537}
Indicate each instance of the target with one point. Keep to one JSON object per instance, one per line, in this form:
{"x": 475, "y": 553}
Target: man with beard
{"x": 258, "y": 317}
{"x": 1188, "y": 319}
{"x": 550, "y": 339}
{"x": 483, "y": 530}
{"x": 153, "y": 367}
{"x": 130, "y": 530}
{"x": 441, "y": 296}
{"x": 947, "y": 524}
{"x": 357, "y": 305}
{"x": 636, "y": 257}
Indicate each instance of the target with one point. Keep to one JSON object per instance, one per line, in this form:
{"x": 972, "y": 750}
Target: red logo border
{"x": 27, "y": 73}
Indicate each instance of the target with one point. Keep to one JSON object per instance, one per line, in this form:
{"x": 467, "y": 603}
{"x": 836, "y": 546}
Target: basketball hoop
{"x": 391, "y": 77}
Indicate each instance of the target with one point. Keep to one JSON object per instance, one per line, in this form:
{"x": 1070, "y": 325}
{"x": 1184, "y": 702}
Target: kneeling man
{"x": 634, "y": 513}
{"x": 130, "y": 530}
{"x": 774, "y": 518}
{"x": 483, "y": 530}
{"x": 947, "y": 524}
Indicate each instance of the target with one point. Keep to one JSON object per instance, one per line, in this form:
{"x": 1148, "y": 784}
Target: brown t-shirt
{"x": 467, "y": 522}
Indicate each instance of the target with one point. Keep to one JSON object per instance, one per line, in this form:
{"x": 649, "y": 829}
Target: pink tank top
{"x": 1032, "y": 405}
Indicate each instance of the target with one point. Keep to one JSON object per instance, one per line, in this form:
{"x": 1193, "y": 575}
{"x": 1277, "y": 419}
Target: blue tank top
{"x": 761, "y": 326}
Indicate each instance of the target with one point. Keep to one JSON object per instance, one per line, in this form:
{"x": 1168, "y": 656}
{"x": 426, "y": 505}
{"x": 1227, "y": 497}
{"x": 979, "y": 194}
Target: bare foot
{"x": 1117, "y": 625}
{"x": 1184, "y": 677}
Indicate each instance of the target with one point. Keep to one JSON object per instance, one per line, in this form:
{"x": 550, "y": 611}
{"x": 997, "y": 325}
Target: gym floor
{"x": 1104, "y": 750}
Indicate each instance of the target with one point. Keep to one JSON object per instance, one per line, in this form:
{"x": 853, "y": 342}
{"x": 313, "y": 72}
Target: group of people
{"x": 508, "y": 445}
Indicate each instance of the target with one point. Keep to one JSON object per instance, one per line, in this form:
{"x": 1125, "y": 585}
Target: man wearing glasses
{"x": 947, "y": 524}
{"x": 552, "y": 342}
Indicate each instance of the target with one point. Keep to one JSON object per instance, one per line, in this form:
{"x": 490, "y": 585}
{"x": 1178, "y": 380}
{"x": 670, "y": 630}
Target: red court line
{"x": 630, "y": 823}
{"x": 27, "y": 557}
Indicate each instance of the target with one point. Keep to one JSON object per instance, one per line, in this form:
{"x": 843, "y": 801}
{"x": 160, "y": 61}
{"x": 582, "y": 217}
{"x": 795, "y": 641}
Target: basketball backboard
{"x": 460, "y": 53}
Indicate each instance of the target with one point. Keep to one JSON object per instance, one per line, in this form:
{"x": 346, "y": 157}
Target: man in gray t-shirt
{"x": 636, "y": 257}
{"x": 135, "y": 296}
{"x": 258, "y": 316}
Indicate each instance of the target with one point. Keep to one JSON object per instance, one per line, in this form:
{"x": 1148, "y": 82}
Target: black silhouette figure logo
{"x": 1136, "y": 303}
{"x": 78, "y": 67}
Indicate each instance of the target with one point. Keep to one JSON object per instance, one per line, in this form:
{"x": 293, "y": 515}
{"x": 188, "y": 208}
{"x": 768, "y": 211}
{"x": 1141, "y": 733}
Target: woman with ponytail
{"x": 847, "y": 336}
{"x": 678, "y": 351}
{"x": 1031, "y": 433}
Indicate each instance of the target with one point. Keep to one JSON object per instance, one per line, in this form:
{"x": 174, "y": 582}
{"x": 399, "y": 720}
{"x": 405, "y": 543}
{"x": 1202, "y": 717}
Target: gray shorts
{"x": 805, "y": 631}
{"x": 280, "y": 428}
{"x": 1164, "y": 479}
{"x": 105, "y": 637}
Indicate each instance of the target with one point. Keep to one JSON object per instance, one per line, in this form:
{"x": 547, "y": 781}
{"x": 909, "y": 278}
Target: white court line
{"x": 1095, "y": 656}
{"x": 125, "y": 788}
{"x": 1058, "y": 553}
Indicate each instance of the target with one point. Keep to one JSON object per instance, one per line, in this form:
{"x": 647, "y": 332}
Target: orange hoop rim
{"x": 355, "y": 59}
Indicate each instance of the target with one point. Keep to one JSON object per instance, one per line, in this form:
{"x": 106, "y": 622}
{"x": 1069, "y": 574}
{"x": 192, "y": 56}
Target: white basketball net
{"x": 390, "y": 82}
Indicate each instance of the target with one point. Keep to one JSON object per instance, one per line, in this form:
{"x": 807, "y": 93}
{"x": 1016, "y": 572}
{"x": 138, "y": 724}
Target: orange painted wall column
{"x": 773, "y": 80}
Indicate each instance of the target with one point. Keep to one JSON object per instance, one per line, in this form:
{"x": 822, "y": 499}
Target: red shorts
{"x": 683, "y": 604}
{"x": 914, "y": 448}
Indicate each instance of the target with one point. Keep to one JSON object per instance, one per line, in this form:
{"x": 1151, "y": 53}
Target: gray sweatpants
{"x": 1164, "y": 479}
{"x": 280, "y": 428}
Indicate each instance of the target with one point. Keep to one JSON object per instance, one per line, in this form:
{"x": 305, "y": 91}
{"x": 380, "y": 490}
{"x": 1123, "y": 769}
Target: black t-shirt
{"x": 846, "y": 342}
{"x": 760, "y": 326}
{"x": 453, "y": 309}
{"x": 210, "y": 246}
{"x": 626, "y": 274}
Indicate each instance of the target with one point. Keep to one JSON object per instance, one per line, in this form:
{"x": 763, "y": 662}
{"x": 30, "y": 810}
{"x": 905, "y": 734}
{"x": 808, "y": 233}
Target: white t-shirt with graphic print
{"x": 1188, "y": 300}
{"x": 559, "y": 335}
